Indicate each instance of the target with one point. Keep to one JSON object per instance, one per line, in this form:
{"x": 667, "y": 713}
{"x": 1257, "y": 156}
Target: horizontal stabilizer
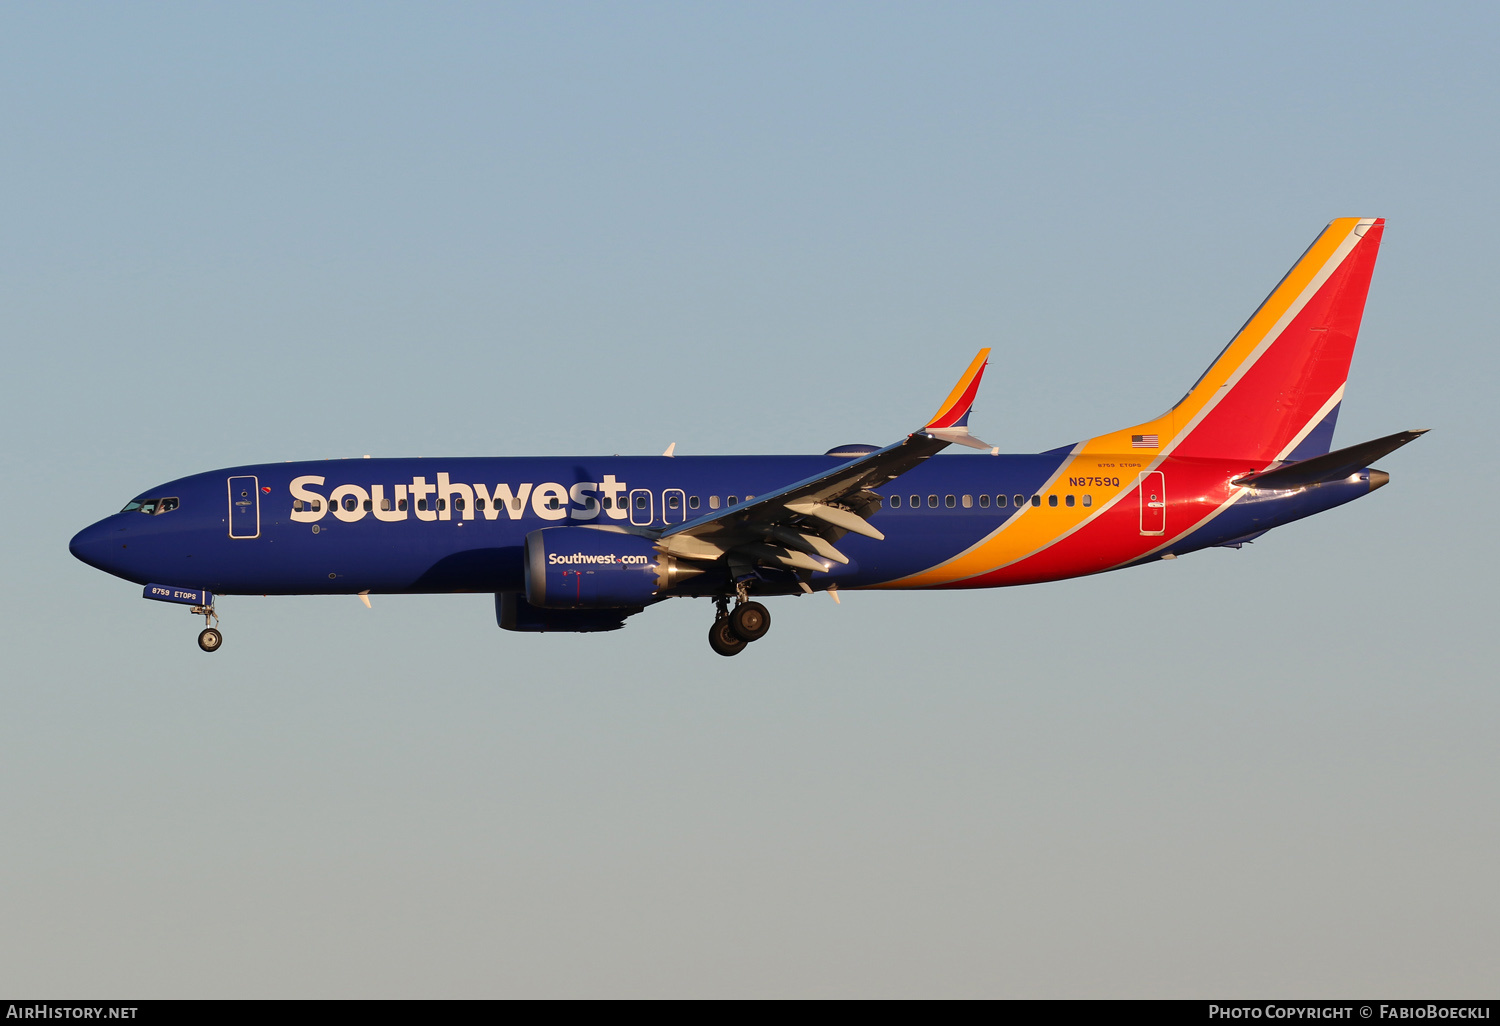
{"x": 1331, "y": 466}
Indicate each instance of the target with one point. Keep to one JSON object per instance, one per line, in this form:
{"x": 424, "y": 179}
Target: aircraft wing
{"x": 795, "y": 527}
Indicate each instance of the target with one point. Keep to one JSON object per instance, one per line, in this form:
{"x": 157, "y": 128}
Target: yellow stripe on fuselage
{"x": 1037, "y": 527}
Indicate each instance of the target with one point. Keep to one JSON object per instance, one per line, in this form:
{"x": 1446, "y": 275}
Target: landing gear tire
{"x": 750, "y": 620}
{"x": 210, "y": 640}
{"x": 723, "y": 639}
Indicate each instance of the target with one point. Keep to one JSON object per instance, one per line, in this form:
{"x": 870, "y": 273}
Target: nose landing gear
{"x": 732, "y": 631}
{"x": 201, "y": 601}
{"x": 209, "y": 639}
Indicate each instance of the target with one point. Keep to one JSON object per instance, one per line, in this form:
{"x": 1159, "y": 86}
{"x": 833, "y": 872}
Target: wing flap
{"x": 837, "y": 517}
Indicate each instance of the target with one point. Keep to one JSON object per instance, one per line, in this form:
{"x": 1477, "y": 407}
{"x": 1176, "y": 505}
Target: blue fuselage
{"x": 459, "y": 525}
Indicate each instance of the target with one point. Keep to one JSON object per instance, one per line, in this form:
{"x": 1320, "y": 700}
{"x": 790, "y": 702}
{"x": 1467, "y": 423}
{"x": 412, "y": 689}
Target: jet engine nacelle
{"x": 596, "y": 568}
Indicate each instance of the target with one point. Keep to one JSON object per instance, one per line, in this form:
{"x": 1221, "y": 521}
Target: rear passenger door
{"x": 1153, "y": 497}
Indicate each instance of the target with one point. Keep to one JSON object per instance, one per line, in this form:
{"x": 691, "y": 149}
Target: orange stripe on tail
{"x": 955, "y": 408}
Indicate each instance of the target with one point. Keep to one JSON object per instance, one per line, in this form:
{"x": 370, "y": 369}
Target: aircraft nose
{"x": 93, "y": 545}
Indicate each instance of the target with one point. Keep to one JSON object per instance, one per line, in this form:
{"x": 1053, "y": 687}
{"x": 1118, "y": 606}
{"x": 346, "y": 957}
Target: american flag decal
{"x": 1145, "y": 441}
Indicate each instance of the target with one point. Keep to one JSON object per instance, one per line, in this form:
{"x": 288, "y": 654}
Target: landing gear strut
{"x": 209, "y": 639}
{"x": 732, "y": 631}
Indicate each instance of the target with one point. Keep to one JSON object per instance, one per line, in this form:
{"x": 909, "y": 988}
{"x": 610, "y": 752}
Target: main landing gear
{"x": 732, "y": 631}
{"x": 209, "y": 639}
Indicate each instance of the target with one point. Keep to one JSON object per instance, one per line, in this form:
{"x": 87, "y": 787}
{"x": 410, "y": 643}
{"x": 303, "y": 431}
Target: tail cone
{"x": 1379, "y": 479}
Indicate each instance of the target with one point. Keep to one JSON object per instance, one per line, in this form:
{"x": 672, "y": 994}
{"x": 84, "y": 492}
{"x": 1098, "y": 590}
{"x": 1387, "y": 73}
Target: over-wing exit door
{"x": 244, "y": 507}
{"x": 673, "y": 506}
{"x": 642, "y": 508}
{"x": 1154, "y": 503}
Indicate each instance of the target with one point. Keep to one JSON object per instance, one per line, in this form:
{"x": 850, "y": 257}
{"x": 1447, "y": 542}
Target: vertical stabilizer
{"x": 1274, "y": 392}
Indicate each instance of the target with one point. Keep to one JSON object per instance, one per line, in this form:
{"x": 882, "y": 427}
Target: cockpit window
{"x": 150, "y": 507}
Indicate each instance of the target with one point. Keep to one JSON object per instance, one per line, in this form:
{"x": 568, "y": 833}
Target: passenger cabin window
{"x": 895, "y": 502}
{"x": 949, "y": 501}
{"x": 1052, "y": 500}
{"x": 1019, "y": 500}
{"x": 349, "y": 503}
{"x": 368, "y": 506}
{"x": 422, "y": 505}
{"x": 1068, "y": 501}
{"x": 640, "y": 502}
{"x": 385, "y": 505}
{"x": 478, "y": 504}
{"x": 916, "y": 500}
{"x": 1002, "y": 501}
{"x": 553, "y": 503}
{"x": 932, "y": 502}
{"x": 734, "y": 500}
{"x": 692, "y": 502}
{"x": 1036, "y": 500}
{"x": 673, "y": 502}
{"x": 296, "y": 505}
{"x": 713, "y": 502}
{"x": 400, "y": 504}
{"x": 1088, "y": 500}
{"x": 442, "y": 504}
{"x": 968, "y": 502}
{"x": 458, "y": 503}
{"x": 984, "y": 502}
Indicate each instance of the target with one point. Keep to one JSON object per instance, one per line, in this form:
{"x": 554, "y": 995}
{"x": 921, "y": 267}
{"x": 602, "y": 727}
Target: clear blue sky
{"x": 256, "y": 232}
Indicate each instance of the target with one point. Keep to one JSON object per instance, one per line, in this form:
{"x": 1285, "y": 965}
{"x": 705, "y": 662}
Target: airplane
{"x": 580, "y": 544}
